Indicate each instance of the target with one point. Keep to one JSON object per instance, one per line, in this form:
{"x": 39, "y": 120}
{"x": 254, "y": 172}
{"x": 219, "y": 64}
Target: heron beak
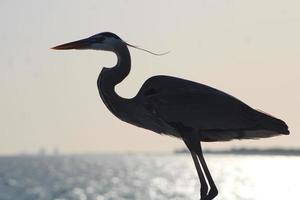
{"x": 79, "y": 44}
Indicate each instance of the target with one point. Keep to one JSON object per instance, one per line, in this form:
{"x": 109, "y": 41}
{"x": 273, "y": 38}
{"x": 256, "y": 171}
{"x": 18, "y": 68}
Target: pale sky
{"x": 250, "y": 49}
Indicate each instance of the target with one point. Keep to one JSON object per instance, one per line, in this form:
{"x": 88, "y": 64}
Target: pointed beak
{"x": 79, "y": 44}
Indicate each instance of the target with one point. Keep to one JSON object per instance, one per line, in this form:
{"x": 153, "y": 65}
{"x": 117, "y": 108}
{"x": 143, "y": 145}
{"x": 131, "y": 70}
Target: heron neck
{"x": 110, "y": 77}
{"x": 118, "y": 73}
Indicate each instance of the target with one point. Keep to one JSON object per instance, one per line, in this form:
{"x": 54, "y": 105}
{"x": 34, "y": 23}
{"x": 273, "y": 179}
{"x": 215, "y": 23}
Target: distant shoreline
{"x": 248, "y": 151}
{"x": 233, "y": 151}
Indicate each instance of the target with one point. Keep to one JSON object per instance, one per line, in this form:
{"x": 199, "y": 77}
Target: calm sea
{"x": 143, "y": 177}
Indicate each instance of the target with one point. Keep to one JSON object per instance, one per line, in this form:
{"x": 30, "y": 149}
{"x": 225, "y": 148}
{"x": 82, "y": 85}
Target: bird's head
{"x": 105, "y": 41}
{"x": 102, "y": 41}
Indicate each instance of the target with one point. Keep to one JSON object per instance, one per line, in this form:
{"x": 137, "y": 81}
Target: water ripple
{"x": 155, "y": 177}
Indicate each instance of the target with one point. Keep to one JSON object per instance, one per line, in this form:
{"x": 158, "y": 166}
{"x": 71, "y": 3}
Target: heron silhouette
{"x": 187, "y": 110}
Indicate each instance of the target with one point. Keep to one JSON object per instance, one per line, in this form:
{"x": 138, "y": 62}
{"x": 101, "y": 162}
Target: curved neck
{"x": 119, "y": 72}
{"x": 115, "y": 75}
{"x": 110, "y": 77}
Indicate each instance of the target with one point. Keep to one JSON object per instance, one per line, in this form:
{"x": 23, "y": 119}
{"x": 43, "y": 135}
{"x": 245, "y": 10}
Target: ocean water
{"x": 143, "y": 177}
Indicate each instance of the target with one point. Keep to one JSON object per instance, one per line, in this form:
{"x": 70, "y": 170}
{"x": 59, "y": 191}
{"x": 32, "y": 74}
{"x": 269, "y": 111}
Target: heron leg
{"x": 213, "y": 192}
{"x": 204, "y": 188}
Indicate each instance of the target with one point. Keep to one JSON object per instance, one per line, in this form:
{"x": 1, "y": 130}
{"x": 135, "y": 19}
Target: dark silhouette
{"x": 168, "y": 105}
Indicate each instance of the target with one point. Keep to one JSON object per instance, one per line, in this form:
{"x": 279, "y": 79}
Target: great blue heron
{"x": 187, "y": 110}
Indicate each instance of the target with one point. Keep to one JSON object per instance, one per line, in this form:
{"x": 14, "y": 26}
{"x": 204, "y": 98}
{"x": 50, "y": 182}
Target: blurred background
{"x": 50, "y": 104}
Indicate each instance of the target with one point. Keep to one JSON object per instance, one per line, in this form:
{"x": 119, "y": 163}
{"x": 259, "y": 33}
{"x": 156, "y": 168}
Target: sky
{"x": 49, "y": 99}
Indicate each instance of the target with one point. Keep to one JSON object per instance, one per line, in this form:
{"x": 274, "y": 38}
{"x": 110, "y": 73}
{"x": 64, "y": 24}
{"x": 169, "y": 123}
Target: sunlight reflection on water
{"x": 157, "y": 177}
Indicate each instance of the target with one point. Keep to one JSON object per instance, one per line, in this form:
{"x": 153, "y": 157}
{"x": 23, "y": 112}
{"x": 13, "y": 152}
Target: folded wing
{"x": 207, "y": 110}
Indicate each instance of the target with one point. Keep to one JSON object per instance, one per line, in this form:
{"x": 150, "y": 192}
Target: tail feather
{"x": 267, "y": 126}
{"x": 268, "y": 122}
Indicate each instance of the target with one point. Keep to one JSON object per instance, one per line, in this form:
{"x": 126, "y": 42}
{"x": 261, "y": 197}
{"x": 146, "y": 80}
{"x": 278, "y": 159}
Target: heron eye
{"x": 100, "y": 39}
{"x": 97, "y": 39}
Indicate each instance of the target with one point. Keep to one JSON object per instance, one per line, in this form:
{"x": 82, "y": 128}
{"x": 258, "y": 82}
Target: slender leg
{"x": 204, "y": 188}
{"x": 213, "y": 192}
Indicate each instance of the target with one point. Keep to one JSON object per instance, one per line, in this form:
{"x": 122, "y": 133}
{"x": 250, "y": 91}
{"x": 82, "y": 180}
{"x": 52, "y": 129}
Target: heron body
{"x": 187, "y": 110}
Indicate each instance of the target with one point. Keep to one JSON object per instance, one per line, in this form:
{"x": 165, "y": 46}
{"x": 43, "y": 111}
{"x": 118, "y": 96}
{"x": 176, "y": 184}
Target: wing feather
{"x": 198, "y": 106}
